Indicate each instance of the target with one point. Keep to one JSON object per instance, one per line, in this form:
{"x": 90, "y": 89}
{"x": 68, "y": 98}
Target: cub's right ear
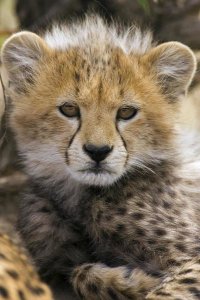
{"x": 21, "y": 55}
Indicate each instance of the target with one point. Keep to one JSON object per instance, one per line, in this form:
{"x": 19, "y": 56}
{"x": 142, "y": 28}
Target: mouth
{"x": 96, "y": 169}
{"x": 96, "y": 174}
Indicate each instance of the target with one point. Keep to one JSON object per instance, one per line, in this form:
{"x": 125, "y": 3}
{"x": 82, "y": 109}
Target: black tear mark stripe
{"x": 73, "y": 137}
{"x": 123, "y": 141}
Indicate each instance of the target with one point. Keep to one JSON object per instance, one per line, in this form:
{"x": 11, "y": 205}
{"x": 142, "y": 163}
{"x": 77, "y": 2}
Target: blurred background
{"x": 169, "y": 20}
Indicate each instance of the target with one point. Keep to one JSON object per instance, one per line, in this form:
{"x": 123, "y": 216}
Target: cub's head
{"x": 92, "y": 103}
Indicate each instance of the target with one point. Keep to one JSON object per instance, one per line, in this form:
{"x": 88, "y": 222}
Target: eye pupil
{"x": 70, "y": 110}
{"x": 126, "y": 113}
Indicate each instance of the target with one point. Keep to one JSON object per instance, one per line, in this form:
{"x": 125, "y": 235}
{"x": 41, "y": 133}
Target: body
{"x": 115, "y": 227}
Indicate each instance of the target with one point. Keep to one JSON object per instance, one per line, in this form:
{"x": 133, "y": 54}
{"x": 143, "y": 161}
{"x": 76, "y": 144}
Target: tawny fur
{"x": 18, "y": 277}
{"x": 130, "y": 226}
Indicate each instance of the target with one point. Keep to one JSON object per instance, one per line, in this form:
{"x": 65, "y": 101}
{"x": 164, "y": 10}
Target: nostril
{"x": 97, "y": 153}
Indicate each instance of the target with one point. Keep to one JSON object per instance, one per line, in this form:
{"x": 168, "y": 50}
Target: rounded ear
{"x": 20, "y": 56}
{"x": 174, "y": 65}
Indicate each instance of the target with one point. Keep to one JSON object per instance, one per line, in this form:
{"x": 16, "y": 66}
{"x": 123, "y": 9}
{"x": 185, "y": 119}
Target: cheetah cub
{"x": 113, "y": 201}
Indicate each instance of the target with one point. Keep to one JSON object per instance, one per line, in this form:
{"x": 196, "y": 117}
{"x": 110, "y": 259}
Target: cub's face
{"x": 93, "y": 115}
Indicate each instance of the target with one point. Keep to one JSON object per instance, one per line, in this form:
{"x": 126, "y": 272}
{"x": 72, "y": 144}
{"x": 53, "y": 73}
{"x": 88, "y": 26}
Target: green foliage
{"x": 145, "y": 5}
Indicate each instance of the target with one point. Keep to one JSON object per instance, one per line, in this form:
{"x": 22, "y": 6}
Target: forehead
{"x": 93, "y": 75}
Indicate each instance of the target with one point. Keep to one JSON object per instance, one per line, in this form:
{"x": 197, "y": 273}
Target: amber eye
{"x": 127, "y": 112}
{"x": 70, "y": 110}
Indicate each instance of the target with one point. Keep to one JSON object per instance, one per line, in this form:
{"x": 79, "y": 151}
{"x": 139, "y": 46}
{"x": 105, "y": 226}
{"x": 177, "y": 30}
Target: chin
{"x": 101, "y": 178}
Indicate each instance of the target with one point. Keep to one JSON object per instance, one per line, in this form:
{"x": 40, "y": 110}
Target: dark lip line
{"x": 96, "y": 171}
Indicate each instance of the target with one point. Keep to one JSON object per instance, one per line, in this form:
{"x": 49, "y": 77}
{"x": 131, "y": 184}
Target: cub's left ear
{"x": 174, "y": 66}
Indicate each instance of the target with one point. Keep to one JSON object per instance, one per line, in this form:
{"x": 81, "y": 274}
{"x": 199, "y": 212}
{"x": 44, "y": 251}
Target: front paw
{"x": 99, "y": 282}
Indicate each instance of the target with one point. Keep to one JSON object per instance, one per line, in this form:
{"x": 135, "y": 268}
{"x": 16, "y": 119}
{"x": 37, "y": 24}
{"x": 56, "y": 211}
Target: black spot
{"x": 77, "y": 76}
{"x": 140, "y": 232}
{"x": 82, "y": 276}
{"x": 160, "y": 190}
{"x": 109, "y": 199}
{"x": 195, "y": 292}
{"x": 99, "y": 214}
{"x": 140, "y": 204}
{"x": 13, "y": 274}
{"x": 21, "y": 295}
{"x": 167, "y": 205}
{"x": 160, "y": 231}
{"x": 45, "y": 116}
{"x": 155, "y": 273}
{"x": 137, "y": 216}
{"x": 108, "y": 62}
{"x": 171, "y": 193}
{"x": 153, "y": 222}
{"x": 176, "y": 212}
{"x": 120, "y": 227}
{"x": 3, "y": 292}
{"x": 129, "y": 194}
{"x": 185, "y": 271}
{"x": 160, "y": 219}
{"x": 129, "y": 271}
{"x": 100, "y": 88}
{"x": 161, "y": 248}
{"x": 121, "y": 92}
{"x": 180, "y": 238}
{"x": 155, "y": 201}
{"x": 44, "y": 210}
{"x": 173, "y": 262}
{"x": 115, "y": 237}
{"x": 197, "y": 249}
{"x": 88, "y": 267}
{"x": 104, "y": 234}
{"x": 36, "y": 290}
{"x": 2, "y": 256}
{"x": 170, "y": 218}
{"x": 180, "y": 247}
{"x": 162, "y": 293}
{"x": 141, "y": 257}
{"x": 151, "y": 242}
{"x": 108, "y": 217}
{"x": 88, "y": 71}
{"x": 83, "y": 63}
{"x": 92, "y": 288}
{"x": 141, "y": 291}
{"x": 77, "y": 90}
{"x": 120, "y": 79}
{"x": 121, "y": 211}
{"x": 189, "y": 280}
{"x": 112, "y": 294}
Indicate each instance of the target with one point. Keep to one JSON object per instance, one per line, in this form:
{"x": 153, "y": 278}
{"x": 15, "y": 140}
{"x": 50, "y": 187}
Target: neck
{"x": 68, "y": 193}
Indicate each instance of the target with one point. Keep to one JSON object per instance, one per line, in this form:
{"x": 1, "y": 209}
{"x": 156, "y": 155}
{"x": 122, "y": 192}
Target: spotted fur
{"x": 18, "y": 278}
{"x": 127, "y": 227}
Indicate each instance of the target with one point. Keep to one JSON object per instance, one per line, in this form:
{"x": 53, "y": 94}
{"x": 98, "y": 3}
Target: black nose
{"x": 97, "y": 153}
